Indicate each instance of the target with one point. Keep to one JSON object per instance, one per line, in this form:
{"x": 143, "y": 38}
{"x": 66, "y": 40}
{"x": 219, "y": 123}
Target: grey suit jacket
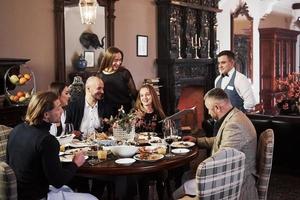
{"x": 238, "y": 132}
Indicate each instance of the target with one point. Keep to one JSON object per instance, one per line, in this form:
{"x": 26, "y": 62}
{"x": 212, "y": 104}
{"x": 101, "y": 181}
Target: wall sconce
{"x": 88, "y": 11}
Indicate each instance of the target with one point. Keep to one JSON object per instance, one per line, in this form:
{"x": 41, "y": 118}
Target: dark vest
{"x": 234, "y": 97}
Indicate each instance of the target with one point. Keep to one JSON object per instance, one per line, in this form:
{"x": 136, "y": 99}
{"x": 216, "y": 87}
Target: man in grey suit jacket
{"x": 234, "y": 130}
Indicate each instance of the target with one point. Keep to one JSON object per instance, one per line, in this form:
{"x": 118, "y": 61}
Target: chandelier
{"x": 88, "y": 11}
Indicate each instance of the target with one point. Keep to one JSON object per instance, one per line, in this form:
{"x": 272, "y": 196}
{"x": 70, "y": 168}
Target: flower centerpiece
{"x": 123, "y": 125}
{"x": 288, "y": 102}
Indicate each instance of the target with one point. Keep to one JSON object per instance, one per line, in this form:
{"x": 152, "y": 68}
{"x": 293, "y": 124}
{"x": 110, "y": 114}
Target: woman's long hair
{"x": 108, "y": 58}
{"x": 57, "y": 87}
{"x": 39, "y": 104}
{"x": 155, "y": 101}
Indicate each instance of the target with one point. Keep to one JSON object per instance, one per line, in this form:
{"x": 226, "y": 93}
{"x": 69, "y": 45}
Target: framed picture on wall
{"x": 142, "y": 45}
{"x": 89, "y": 56}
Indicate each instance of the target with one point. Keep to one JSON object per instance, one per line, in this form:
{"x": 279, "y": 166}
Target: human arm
{"x": 52, "y": 167}
{"x": 232, "y": 135}
{"x": 203, "y": 142}
{"x": 130, "y": 83}
{"x": 245, "y": 91}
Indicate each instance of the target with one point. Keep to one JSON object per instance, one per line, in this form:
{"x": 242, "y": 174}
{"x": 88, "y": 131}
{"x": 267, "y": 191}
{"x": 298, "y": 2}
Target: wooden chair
{"x": 264, "y": 162}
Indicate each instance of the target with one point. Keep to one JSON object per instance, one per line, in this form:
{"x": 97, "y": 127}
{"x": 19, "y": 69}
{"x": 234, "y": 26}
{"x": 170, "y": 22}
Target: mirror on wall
{"x": 69, "y": 30}
{"x": 81, "y": 38}
{"x": 241, "y": 39}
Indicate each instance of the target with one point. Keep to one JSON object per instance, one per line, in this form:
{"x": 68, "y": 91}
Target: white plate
{"x": 68, "y": 158}
{"x": 180, "y": 151}
{"x": 125, "y": 161}
{"x": 153, "y": 157}
{"x": 78, "y": 144}
{"x": 72, "y": 151}
{"x": 182, "y": 144}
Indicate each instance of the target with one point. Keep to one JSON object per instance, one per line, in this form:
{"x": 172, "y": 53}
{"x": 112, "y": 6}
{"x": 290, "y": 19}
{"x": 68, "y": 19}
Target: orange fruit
{"x": 16, "y": 98}
{"x": 11, "y": 97}
{"x": 22, "y": 99}
{"x": 22, "y": 81}
{"x": 20, "y": 94}
{"x": 27, "y": 76}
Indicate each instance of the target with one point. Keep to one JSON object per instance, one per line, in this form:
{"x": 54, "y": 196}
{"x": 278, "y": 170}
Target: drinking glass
{"x": 101, "y": 126}
{"x": 168, "y": 137}
{"x": 69, "y": 128}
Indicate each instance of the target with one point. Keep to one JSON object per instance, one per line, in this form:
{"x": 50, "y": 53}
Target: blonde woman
{"x": 119, "y": 85}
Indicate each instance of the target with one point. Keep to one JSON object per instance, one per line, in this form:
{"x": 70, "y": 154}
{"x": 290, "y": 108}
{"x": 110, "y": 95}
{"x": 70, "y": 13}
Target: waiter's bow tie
{"x": 223, "y": 75}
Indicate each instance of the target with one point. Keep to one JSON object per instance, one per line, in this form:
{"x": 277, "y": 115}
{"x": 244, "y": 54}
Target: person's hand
{"x": 79, "y": 159}
{"x": 139, "y": 114}
{"x": 76, "y": 133}
{"x": 189, "y": 138}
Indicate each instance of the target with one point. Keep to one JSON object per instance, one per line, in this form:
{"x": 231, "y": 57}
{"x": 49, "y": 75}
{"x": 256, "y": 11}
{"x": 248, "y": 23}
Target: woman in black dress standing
{"x": 119, "y": 87}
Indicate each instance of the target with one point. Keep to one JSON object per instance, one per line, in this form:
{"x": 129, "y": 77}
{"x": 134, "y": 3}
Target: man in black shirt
{"x": 32, "y": 152}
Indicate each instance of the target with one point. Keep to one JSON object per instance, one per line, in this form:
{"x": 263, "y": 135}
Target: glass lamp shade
{"x": 88, "y": 11}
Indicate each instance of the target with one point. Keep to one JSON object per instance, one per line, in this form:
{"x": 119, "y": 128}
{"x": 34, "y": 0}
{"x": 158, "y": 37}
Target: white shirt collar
{"x": 87, "y": 105}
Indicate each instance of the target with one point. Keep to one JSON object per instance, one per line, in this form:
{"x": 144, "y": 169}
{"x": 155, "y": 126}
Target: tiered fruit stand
{"x": 24, "y": 86}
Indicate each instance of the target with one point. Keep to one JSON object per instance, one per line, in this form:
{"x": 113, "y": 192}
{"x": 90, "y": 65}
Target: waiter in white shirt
{"x": 235, "y": 84}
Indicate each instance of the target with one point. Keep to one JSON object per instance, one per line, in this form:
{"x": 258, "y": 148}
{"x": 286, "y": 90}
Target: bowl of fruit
{"x": 19, "y": 85}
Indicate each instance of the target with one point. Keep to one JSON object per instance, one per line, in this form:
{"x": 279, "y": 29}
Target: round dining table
{"x": 109, "y": 167}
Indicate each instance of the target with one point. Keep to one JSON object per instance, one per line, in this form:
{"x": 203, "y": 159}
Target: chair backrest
{"x": 221, "y": 175}
{"x": 8, "y": 182}
{"x": 4, "y": 132}
{"x": 264, "y": 162}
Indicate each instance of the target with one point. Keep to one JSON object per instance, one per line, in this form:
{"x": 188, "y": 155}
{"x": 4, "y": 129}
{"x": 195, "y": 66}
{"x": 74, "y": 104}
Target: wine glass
{"x": 69, "y": 128}
{"x": 101, "y": 126}
{"x": 168, "y": 137}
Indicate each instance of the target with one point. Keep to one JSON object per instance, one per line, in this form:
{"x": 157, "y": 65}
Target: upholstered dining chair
{"x": 8, "y": 181}
{"x": 264, "y": 162}
{"x": 4, "y": 132}
{"x": 218, "y": 177}
{"x": 221, "y": 175}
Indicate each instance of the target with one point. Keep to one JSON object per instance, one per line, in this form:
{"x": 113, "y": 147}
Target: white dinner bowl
{"x": 124, "y": 151}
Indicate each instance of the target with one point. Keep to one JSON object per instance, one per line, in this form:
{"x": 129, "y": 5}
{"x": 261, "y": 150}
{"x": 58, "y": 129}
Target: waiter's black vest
{"x": 234, "y": 97}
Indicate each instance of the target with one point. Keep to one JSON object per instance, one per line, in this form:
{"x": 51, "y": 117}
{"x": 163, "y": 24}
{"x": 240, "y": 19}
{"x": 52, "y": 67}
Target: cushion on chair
{"x": 264, "y": 162}
{"x": 4, "y": 132}
{"x": 221, "y": 175}
{"x": 8, "y": 182}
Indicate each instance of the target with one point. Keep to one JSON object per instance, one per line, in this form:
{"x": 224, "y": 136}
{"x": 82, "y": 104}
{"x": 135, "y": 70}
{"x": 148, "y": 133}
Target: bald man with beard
{"x": 85, "y": 113}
